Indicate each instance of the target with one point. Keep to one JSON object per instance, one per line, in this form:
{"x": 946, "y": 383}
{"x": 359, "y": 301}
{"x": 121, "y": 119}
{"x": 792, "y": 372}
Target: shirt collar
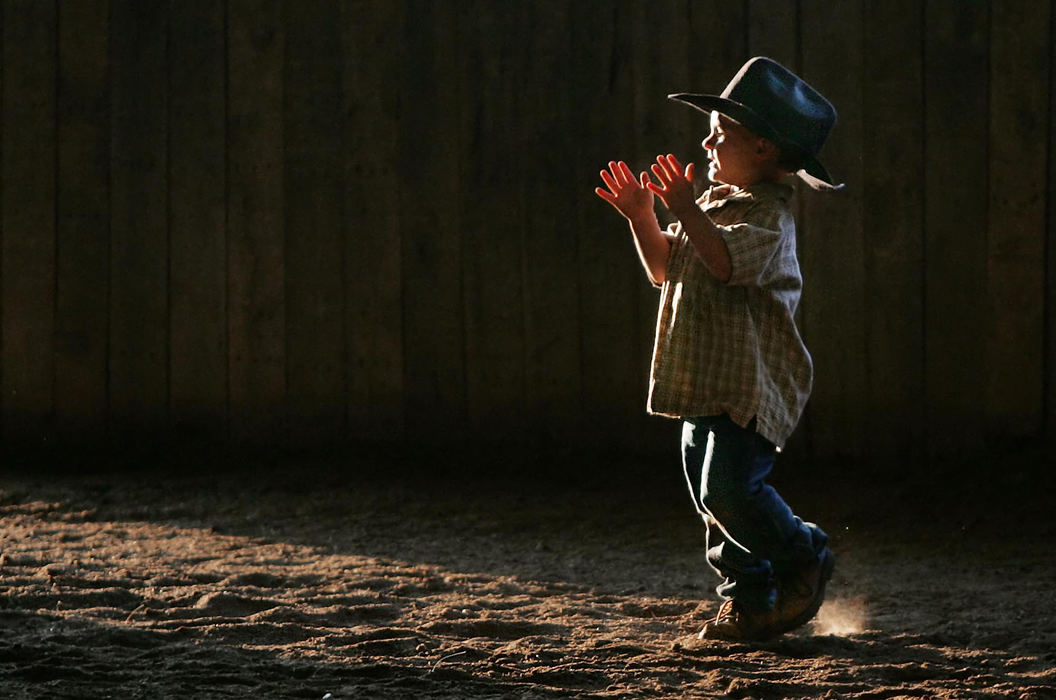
{"x": 719, "y": 195}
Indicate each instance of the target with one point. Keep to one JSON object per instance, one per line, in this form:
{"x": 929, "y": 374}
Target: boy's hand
{"x": 676, "y": 184}
{"x": 628, "y": 195}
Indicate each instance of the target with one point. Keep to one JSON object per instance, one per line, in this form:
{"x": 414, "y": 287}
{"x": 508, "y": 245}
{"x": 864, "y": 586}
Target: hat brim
{"x": 815, "y": 175}
{"x": 813, "y": 172}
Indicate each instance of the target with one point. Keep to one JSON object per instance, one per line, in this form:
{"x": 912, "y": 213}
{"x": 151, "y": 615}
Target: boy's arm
{"x": 676, "y": 191}
{"x": 635, "y": 202}
{"x": 653, "y": 246}
{"x": 707, "y": 240}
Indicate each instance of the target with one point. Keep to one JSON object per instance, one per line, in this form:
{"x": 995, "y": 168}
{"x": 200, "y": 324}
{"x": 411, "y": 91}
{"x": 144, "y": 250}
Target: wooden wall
{"x": 316, "y": 222}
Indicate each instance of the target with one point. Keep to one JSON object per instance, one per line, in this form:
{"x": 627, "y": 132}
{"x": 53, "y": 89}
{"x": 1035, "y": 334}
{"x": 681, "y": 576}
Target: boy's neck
{"x": 774, "y": 178}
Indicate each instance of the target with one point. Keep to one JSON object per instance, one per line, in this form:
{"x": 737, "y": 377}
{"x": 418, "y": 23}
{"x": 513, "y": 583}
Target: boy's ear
{"x": 767, "y": 148}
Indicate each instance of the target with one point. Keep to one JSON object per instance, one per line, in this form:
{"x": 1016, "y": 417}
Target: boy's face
{"x": 736, "y": 156}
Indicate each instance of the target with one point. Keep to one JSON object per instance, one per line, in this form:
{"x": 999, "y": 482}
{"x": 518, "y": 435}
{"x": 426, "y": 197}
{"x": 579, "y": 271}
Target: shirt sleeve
{"x": 671, "y": 233}
{"x": 753, "y": 246}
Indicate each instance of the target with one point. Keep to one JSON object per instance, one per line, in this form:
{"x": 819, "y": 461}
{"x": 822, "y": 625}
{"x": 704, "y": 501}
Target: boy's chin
{"x": 715, "y": 177}
{"x": 719, "y": 179}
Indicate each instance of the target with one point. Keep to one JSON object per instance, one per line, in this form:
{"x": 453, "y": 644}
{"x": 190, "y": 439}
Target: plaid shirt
{"x": 734, "y": 348}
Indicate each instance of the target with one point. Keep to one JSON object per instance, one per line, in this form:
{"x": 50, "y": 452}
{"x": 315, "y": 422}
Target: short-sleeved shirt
{"x": 734, "y": 347}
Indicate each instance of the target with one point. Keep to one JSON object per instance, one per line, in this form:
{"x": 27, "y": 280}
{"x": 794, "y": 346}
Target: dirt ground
{"x": 396, "y": 578}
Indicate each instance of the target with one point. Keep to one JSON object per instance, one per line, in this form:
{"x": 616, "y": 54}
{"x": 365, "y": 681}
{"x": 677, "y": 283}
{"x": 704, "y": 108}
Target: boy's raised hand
{"x": 629, "y": 195}
{"x": 676, "y": 183}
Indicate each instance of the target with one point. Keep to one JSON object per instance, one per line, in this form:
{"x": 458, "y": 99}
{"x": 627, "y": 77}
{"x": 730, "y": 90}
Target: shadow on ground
{"x": 301, "y": 578}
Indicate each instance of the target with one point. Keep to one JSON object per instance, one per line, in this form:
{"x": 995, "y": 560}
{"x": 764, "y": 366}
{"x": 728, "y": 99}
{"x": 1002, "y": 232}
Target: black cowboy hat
{"x": 777, "y": 104}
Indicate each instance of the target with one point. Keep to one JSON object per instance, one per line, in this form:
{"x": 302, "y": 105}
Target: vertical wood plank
{"x": 955, "y": 215}
{"x": 434, "y": 329}
{"x": 491, "y": 78}
{"x": 255, "y": 215}
{"x": 27, "y": 278}
{"x": 83, "y": 223}
{"x": 197, "y": 244}
{"x": 373, "y": 274}
{"x": 314, "y": 290}
{"x": 553, "y": 196}
{"x": 255, "y": 223}
{"x": 609, "y": 273}
{"x": 892, "y": 214}
{"x": 832, "y": 250}
{"x": 138, "y": 204}
{"x": 773, "y": 31}
{"x": 1019, "y": 56}
{"x": 718, "y": 44}
{"x": 1050, "y": 277}
{"x": 2, "y": 408}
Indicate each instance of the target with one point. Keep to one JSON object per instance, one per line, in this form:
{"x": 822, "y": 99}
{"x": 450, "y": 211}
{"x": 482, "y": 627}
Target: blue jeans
{"x": 753, "y": 538}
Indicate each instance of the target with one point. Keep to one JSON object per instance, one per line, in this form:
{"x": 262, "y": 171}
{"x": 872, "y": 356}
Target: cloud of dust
{"x": 841, "y": 617}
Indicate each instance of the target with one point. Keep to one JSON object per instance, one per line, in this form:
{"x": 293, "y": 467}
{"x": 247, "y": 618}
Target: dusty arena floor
{"x": 303, "y": 579}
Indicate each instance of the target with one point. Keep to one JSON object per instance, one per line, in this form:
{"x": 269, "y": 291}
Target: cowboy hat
{"x": 778, "y": 105}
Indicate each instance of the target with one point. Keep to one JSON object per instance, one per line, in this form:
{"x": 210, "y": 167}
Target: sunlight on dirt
{"x": 303, "y": 585}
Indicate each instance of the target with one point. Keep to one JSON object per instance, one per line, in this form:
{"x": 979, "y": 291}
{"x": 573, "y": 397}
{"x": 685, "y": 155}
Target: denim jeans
{"x": 753, "y": 538}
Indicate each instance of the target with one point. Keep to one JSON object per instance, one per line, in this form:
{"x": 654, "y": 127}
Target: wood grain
{"x": 309, "y": 223}
{"x": 139, "y": 255}
{"x": 197, "y": 212}
{"x": 892, "y": 218}
{"x": 83, "y": 223}
{"x": 553, "y": 198}
{"x": 1015, "y": 243}
{"x": 312, "y": 189}
{"x": 832, "y": 250}
{"x": 256, "y": 268}
{"x": 955, "y": 215}
{"x": 373, "y": 278}
{"x": 494, "y": 71}
{"x": 27, "y": 249}
{"x": 431, "y": 239}
{"x": 1050, "y": 251}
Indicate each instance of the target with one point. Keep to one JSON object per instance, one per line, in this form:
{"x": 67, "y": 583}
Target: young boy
{"x": 728, "y": 359}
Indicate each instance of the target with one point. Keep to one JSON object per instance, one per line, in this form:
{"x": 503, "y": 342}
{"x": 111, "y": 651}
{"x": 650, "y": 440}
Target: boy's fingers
{"x": 605, "y": 194}
{"x": 609, "y": 181}
{"x": 676, "y": 167}
{"x": 661, "y": 174}
{"x": 690, "y": 169}
{"x": 664, "y": 167}
{"x": 627, "y": 174}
